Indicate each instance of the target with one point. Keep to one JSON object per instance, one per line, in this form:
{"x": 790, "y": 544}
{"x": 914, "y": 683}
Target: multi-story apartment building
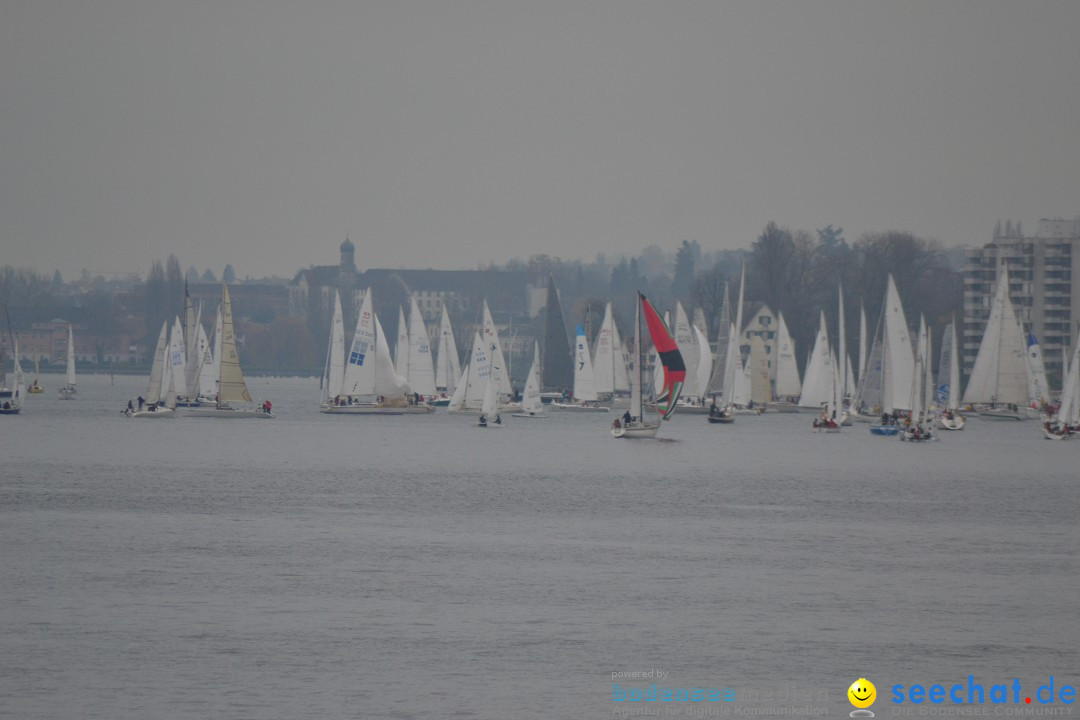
{"x": 1042, "y": 269}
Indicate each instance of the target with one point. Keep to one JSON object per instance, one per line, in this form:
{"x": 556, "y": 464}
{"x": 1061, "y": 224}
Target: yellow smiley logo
{"x": 862, "y": 693}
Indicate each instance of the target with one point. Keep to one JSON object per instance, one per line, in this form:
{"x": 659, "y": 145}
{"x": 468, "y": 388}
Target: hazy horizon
{"x": 446, "y": 135}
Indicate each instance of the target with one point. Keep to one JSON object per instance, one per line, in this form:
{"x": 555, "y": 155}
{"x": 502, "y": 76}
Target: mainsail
{"x": 1001, "y": 370}
{"x": 583, "y": 370}
{"x": 557, "y": 369}
{"x": 232, "y": 386}
{"x": 421, "y": 372}
{"x": 787, "y": 369}
{"x": 447, "y": 364}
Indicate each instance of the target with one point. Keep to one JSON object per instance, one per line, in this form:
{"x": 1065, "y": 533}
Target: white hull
{"x": 151, "y": 414}
{"x": 1050, "y": 435}
{"x": 1005, "y": 414}
{"x": 782, "y": 407}
{"x": 909, "y": 436}
{"x": 636, "y": 431}
{"x": 573, "y": 407}
{"x": 957, "y": 422}
{"x": 68, "y": 392}
{"x": 227, "y": 412}
{"x": 376, "y": 410}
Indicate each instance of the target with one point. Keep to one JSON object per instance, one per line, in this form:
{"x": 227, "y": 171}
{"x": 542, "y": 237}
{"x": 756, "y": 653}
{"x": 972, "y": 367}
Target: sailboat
{"x": 469, "y": 395}
{"x": 1066, "y": 421}
{"x": 557, "y": 370}
{"x": 830, "y": 420}
{"x": 334, "y": 373}
{"x": 788, "y": 384}
{"x": 447, "y": 365}
{"x": 231, "y": 385}
{"x": 1000, "y": 378}
{"x": 150, "y": 406}
{"x": 489, "y": 412}
{"x": 36, "y": 387}
{"x": 68, "y": 391}
{"x": 634, "y": 424}
{"x": 13, "y": 398}
{"x": 610, "y": 375}
{"x": 370, "y": 383}
{"x": 885, "y": 385}
{"x": 413, "y": 357}
{"x": 950, "y": 418}
{"x": 531, "y": 405}
{"x": 585, "y": 396}
{"x": 817, "y": 385}
{"x": 916, "y": 427}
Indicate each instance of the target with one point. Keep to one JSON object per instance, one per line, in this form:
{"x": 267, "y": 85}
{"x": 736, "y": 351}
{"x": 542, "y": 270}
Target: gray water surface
{"x": 416, "y": 567}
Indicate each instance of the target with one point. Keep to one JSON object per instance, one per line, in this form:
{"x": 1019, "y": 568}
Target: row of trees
{"x": 795, "y": 272}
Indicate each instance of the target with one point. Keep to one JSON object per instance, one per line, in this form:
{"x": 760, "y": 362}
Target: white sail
{"x": 817, "y": 380}
{"x": 70, "y": 358}
{"x": 457, "y": 401}
{"x": 862, "y": 343}
{"x": 842, "y": 343}
{"x": 637, "y": 372}
{"x": 360, "y": 364}
{"x": 479, "y": 368}
{"x": 231, "y": 385}
{"x": 731, "y": 367}
{"x": 898, "y": 360}
{"x": 705, "y": 359}
{"x": 421, "y": 371}
{"x": 583, "y": 371}
{"x": 916, "y": 400}
{"x": 170, "y": 387}
{"x": 685, "y": 340}
{"x": 953, "y": 401}
{"x": 928, "y": 374}
{"x": 742, "y": 395}
{"x": 788, "y": 384}
{"x": 1000, "y": 373}
{"x": 1069, "y": 409}
{"x": 834, "y": 401}
{"x": 18, "y": 389}
{"x": 178, "y": 359}
{"x": 370, "y": 370}
{"x": 490, "y": 406}
{"x": 604, "y": 355}
{"x": 157, "y": 370}
{"x": 498, "y": 362}
{"x": 622, "y": 360}
{"x": 447, "y": 364}
{"x": 760, "y": 385}
{"x": 401, "y": 350}
{"x": 1039, "y": 387}
{"x": 217, "y": 351}
{"x": 207, "y": 375}
{"x": 530, "y": 400}
{"x": 191, "y": 356}
{"x": 335, "y": 374}
{"x": 949, "y": 368}
{"x": 849, "y": 383}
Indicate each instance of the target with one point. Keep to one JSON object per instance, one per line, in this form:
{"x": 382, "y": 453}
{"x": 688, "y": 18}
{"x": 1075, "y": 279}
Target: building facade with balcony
{"x": 1041, "y": 272}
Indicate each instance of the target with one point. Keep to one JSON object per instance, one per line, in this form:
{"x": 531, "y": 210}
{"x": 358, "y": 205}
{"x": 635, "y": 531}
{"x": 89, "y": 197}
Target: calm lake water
{"x": 420, "y": 567}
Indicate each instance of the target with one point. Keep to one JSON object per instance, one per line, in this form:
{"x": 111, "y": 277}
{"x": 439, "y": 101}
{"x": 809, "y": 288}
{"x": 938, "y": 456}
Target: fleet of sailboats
{"x": 892, "y": 379}
{"x": 369, "y": 384}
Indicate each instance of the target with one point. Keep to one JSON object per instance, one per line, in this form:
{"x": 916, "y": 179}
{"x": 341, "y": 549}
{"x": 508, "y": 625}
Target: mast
{"x": 635, "y": 388}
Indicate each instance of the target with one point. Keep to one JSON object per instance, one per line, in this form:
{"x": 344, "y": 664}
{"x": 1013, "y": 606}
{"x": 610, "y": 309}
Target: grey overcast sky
{"x": 444, "y": 134}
